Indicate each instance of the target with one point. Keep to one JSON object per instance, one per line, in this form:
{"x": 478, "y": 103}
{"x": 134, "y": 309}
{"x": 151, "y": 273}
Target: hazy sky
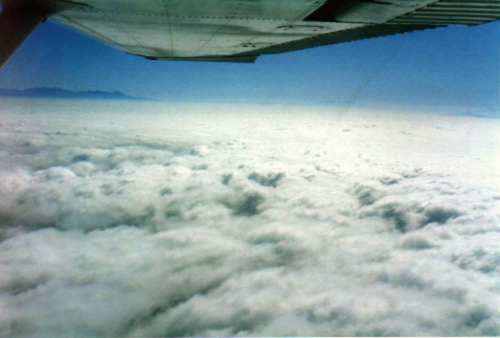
{"x": 452, "y": 66}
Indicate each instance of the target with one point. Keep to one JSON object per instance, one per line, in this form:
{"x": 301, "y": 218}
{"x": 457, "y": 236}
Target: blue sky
{"x": 453, "y": 66}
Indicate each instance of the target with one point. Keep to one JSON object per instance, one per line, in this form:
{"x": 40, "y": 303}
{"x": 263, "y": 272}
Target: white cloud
{"x": 246, "y": 223}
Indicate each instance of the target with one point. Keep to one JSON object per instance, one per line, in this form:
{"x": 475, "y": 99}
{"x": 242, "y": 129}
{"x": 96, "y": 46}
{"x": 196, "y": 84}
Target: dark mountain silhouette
{"x": 60, "y": 93}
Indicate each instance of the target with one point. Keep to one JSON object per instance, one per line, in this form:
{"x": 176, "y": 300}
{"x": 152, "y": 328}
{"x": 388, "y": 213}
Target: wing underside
{"x": 242, "y": 30}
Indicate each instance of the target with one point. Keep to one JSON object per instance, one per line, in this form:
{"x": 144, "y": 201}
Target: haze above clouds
{"x": 155, "y": 220}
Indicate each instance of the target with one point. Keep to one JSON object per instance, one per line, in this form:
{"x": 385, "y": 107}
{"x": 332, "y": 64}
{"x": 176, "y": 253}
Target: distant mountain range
{"x": 60, "y": 93}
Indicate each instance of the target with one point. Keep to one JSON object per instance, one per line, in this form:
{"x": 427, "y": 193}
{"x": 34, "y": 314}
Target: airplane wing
{"x": 235, "y": 30}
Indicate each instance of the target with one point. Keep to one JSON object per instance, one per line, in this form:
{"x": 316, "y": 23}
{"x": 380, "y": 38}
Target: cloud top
{"x": 125, "y": 229}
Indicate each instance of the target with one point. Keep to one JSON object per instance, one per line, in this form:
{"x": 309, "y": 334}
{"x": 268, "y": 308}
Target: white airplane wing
{"x": 235, "y": 30}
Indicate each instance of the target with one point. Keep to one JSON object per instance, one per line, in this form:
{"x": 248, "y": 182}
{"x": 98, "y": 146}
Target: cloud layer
{"x": 246, "y": 221}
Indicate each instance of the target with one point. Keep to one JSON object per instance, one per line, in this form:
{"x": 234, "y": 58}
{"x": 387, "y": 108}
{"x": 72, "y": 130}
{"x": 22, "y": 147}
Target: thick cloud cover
{"x": 191, "y": 220}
